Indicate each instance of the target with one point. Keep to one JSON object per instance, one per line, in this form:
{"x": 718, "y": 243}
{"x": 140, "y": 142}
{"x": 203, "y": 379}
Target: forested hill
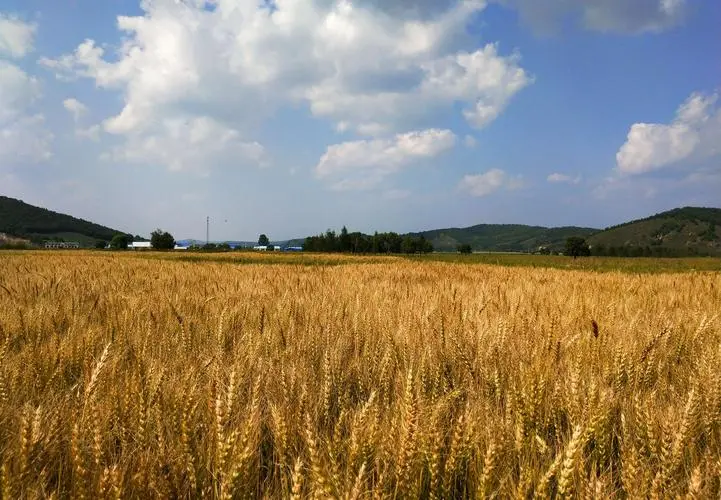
{"x": 504, "y": 237}
{"x": 681, "y": 231}
{"x": 21, "y": 219}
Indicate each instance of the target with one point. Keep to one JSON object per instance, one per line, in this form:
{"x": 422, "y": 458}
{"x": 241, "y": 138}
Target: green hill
{"x": 681, "y": 231}
{"x": 504, "y": 237}
{"x": 19, "y": 219}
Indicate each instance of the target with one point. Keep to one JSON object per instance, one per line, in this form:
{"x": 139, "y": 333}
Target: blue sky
{"x": 405, "y": 115}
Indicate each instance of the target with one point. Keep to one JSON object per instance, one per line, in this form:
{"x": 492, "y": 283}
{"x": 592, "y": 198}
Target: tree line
{"x": 647, "y": 251}
{"x": 357, "y": 242}
{"x": 578, "y": 247}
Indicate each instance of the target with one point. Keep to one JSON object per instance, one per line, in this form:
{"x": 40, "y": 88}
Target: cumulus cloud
{"x": 416, "y": 9}
{"x": 18, "y": 91}
{"x": 364, "y": 164}
{"x": 189, "y": 144}
{"x": 367, "y": 67}
{"x": 16, "y": 36}
{"x": 91, "y": 133}
{"x": 483, "y": 80}
{"x": 25, "y": 140}
{"x": 470, "y": 142}
{"x": 23, "y": 137}
{"x": 489, "y": 182}
{"x": 693, "y": 135}
{"x": 563, "y": 178}
{"x": 75, "y": 108}
{"x": 617, "y": 16}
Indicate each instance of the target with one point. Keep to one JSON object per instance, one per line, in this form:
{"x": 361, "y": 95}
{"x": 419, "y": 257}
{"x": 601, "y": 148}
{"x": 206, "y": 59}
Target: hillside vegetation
{"x": 688, "y": 230}
{"x": 37, "y": 224}
{"x": 503, "y": 237}
{"x": 679, "y": 232}
{"x": 377, "y": 378}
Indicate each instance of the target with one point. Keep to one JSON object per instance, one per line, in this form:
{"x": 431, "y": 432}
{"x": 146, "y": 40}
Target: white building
{"x": 140, "y": 245}
{"x": 264, "y": 248}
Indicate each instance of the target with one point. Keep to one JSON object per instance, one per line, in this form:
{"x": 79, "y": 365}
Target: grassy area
{"x": 290, "y": 259}
{"x": 598, "y": 264}
{"x": 602, "y": 264}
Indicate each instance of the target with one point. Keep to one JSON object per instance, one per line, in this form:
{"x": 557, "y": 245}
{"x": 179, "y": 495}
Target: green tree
{"x": 120, "y": 242}
{"x": 465, "y": 248}
{"x": 710, "y": 233}
{"x": 100, "y": 244}
{"x": 263, "y": 240}
{"x": 577, "y": 247}
{"x": 424, "y": 246}
{"x": 344, "y": 240}
{"x": 408, "y": 245}
{"x": 162, "y": 240}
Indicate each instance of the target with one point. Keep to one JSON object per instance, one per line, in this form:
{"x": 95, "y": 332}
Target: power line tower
{"x": 207, "y": 230}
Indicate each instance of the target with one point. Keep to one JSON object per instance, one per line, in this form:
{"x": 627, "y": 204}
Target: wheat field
{"x": 141, "y": 376}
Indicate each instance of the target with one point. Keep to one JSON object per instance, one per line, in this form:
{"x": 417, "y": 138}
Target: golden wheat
{"x": 153, "y": 376}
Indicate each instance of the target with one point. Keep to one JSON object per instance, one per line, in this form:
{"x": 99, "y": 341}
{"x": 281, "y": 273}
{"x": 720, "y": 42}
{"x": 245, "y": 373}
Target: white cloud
{"x": 17, "y": 91}
{"x": 192, "y": 144}
{"x": 697, "y": 188}
{"x": 370, "y": 69}
{"x": 483, "y": 80}
{"x": 617, "y": 16}
{"x": 16, "y": 36}
{"x": 25, "y": 140}
{"x": 563, "y": 178}
{"x": 23, "y": 137}
{"x": 92, "y": 133}
{"x": 489, "y": 182}
{"x": 470, "y": 141}
{"x": 364, "y": 164}
{"x": 396, "y": 194}
{"x": 75, "y": 108}
{"x": 694, "y": 134}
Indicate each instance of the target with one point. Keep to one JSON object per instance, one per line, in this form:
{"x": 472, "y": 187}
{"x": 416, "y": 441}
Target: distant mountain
{"x": 20, "y": 219}
{"x": 235, "y": 244}
{"x": 503, "y": 237}
{"x": 682, "y": 231}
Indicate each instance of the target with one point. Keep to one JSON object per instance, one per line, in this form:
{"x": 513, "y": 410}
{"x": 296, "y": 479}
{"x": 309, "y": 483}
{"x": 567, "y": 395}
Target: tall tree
{"x": 344, "y": 241}
{"x": 577, "y": 247}
{"x": 162, "y": 240}
{"x": 464, "y": 248}
{"x": 120, "y": 242}
{"x": 263, "y": 240}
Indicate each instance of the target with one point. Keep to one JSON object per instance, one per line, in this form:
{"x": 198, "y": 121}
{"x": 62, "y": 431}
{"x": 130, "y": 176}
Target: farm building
{"x": 62, "y": 244}
{"x": 140, "y": 245}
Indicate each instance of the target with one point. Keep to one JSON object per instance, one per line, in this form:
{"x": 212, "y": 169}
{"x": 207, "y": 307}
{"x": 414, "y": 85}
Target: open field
{"x": 165, "y": 375}
{"x": 600, "y": 264}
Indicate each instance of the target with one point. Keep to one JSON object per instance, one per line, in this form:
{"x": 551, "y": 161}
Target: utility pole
{"x": 207, "y": 230}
